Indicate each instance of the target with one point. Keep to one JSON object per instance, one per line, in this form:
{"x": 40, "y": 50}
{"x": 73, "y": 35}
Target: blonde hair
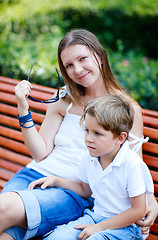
{"x": 88, "y": 39}
{"x": 112, "y": 112}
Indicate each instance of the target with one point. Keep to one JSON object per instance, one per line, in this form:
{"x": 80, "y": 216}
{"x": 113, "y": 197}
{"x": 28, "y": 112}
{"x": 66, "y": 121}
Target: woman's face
{"x": 81, "y": 65}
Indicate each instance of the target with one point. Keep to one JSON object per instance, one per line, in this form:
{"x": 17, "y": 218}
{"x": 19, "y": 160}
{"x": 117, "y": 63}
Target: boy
{"x": 112, "y": 173}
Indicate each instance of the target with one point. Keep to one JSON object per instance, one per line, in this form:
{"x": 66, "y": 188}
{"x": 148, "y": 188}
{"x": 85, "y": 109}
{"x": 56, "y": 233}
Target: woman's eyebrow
{"x": 77, "y": 57}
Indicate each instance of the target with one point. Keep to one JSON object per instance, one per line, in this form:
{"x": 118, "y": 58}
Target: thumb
{"x": 140, "y": 223}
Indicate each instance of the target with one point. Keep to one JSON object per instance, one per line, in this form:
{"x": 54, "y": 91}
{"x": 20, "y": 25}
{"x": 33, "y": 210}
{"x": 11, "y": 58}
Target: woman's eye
{"x": 68, "y": 65}
{"x": 83, "y": 58}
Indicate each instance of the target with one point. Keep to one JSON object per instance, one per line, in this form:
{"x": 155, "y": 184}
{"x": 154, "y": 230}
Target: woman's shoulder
{"x": 134, "y": 103}
{"x": 59, "y": 107}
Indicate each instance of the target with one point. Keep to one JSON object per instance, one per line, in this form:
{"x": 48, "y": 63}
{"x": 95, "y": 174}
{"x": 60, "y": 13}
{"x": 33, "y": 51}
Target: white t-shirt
{"x": 68, "y": 151}
{"x": 113, "y": 187}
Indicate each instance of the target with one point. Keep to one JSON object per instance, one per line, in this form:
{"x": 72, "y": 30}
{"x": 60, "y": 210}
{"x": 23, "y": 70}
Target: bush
{"x": 138, "y": 75}
{"x": 31, "y": 30}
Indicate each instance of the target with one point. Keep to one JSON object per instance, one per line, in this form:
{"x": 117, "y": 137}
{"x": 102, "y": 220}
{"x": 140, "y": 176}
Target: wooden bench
{"x": 14, "y": 155}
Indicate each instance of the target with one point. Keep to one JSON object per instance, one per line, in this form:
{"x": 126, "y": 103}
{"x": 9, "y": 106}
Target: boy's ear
{"x": 122, "y": 138}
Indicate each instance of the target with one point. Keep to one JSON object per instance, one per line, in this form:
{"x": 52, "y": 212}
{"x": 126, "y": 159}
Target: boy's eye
{"x": 97, "y": 133}
{"x": 86, "y": 130}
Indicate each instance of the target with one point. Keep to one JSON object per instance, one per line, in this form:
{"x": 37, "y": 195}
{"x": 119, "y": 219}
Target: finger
{"x": 22, "y": 92}
{"x": 44, "y": 185}
{"x": 145, "y": 230}
{"x": 36, "y": 183}
{"x": 148, "y": 222}
{"x": 83, "y": 226}
{"x": 31, "y": 185}
{"x": 81, "y": 236}
{"x": 22, "y": 84}
{"x": 140, "y": 223}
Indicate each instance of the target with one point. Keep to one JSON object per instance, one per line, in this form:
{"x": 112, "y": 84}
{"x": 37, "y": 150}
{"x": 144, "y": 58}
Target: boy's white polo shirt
{"x": 123, "y": 178}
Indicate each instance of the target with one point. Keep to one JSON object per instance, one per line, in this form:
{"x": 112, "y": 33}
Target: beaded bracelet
{"x": 24, "y": 119}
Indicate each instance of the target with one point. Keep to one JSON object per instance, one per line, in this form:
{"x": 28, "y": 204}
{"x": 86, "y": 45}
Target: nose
{"x": 78, "y": 68}
{"x": 88, "y": 137}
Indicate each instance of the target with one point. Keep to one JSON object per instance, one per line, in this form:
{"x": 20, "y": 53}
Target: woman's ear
{"x": 122, "y": 138}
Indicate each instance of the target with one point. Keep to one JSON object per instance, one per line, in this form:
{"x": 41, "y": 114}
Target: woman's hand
{"x": 22, "y": 90}
{"x": 43, "y": 182}
{"x": 152, "y": 212}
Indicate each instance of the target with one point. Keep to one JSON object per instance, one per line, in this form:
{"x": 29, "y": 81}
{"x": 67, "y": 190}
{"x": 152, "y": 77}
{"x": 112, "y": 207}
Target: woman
{"x": 59, "y": 146}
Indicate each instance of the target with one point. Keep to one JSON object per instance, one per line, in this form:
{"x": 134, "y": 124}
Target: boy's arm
{"x": 131, "y": 215}
{"x": 81, "y": 188}
{"x": 124, "y": 219}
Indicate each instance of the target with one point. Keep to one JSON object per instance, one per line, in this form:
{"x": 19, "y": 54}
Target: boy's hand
{"x": 88, "y": 230}
{"x": 43, "y": 182}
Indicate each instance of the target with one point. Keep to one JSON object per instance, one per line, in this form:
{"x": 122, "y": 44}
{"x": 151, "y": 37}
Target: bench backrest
{"x": 14, "y": 155}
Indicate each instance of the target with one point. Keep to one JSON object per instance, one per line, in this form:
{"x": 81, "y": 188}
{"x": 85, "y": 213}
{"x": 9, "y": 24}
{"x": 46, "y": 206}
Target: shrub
{"x": 138, "y": 75}
{"x": 31, "y": 30}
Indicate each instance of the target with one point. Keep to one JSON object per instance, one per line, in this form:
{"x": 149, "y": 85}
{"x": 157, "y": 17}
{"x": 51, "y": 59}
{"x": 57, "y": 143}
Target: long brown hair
{"x": 88, "y": 39}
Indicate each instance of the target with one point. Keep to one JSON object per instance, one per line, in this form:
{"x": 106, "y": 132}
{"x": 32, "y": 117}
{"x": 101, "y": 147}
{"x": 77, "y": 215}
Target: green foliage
{"x": 31, "y": 30}
{"x": 138, "y": 75}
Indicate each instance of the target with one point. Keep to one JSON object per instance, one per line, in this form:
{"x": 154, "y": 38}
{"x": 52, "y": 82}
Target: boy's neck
{"x": 106, "y": 160}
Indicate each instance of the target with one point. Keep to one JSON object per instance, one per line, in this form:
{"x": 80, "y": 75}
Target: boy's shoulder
{"x": 128, "y": 155}
{"x": 133, "y": 158}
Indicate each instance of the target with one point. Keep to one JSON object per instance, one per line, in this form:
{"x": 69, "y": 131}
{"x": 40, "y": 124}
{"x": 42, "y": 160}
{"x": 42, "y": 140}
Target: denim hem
{"x": 16, "y": 233}
{"x": 33, "y": 213}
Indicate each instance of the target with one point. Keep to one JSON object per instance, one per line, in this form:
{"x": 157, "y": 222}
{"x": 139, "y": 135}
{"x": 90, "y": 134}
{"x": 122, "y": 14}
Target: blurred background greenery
{"x": 31, "y": 30}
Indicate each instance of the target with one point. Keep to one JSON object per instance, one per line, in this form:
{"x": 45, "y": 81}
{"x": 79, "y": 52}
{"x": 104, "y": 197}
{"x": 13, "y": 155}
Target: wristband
{"x": 24, "y": 119}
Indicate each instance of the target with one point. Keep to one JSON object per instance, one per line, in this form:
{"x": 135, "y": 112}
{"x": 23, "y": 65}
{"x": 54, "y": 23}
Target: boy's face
{"x": 99, "y": 141}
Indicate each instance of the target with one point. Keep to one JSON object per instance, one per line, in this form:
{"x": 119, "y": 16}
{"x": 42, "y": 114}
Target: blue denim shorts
{"x": 45, "y": 208}
{"x": 68, "y": 232}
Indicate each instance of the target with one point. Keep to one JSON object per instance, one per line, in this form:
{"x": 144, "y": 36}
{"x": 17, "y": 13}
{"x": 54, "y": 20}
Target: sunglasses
{"x": 51, "y": 100}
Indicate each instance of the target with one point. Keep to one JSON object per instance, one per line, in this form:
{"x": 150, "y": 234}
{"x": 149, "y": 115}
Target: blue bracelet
{"x": 24, "y": 119}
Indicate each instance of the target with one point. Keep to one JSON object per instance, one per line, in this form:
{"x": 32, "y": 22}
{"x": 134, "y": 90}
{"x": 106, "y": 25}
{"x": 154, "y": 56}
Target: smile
{"x": 84, "y": 75}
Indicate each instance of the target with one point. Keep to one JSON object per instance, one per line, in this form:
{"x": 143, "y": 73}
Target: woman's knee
{"x": 5, "y": 236}
{"x": 5, "y": 203}
{"x": 10, "y": 204}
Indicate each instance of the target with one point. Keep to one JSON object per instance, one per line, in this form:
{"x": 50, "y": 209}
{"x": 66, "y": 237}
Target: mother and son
{"x": 84, "y": 181}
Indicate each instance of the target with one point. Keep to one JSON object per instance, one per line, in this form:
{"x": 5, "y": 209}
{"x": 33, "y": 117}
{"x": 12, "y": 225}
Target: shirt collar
{"x": 118, "y": 159}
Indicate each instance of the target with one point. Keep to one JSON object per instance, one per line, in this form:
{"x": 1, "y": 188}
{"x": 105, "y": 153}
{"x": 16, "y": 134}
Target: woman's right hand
{"x": 22, "y": 91}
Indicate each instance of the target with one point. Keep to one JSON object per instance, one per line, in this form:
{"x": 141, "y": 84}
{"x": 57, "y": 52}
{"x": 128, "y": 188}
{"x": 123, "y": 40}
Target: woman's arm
{"x": 152, "y": 209}
{"x": 152, "y": 212}
{"x": 81, "y": 188}
{"x": 41, "y": 143}
{"x": 137, "y": 128}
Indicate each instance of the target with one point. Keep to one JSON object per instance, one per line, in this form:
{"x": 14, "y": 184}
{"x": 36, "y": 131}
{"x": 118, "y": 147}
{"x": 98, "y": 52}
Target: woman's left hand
{"x": 152, "y": 212}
